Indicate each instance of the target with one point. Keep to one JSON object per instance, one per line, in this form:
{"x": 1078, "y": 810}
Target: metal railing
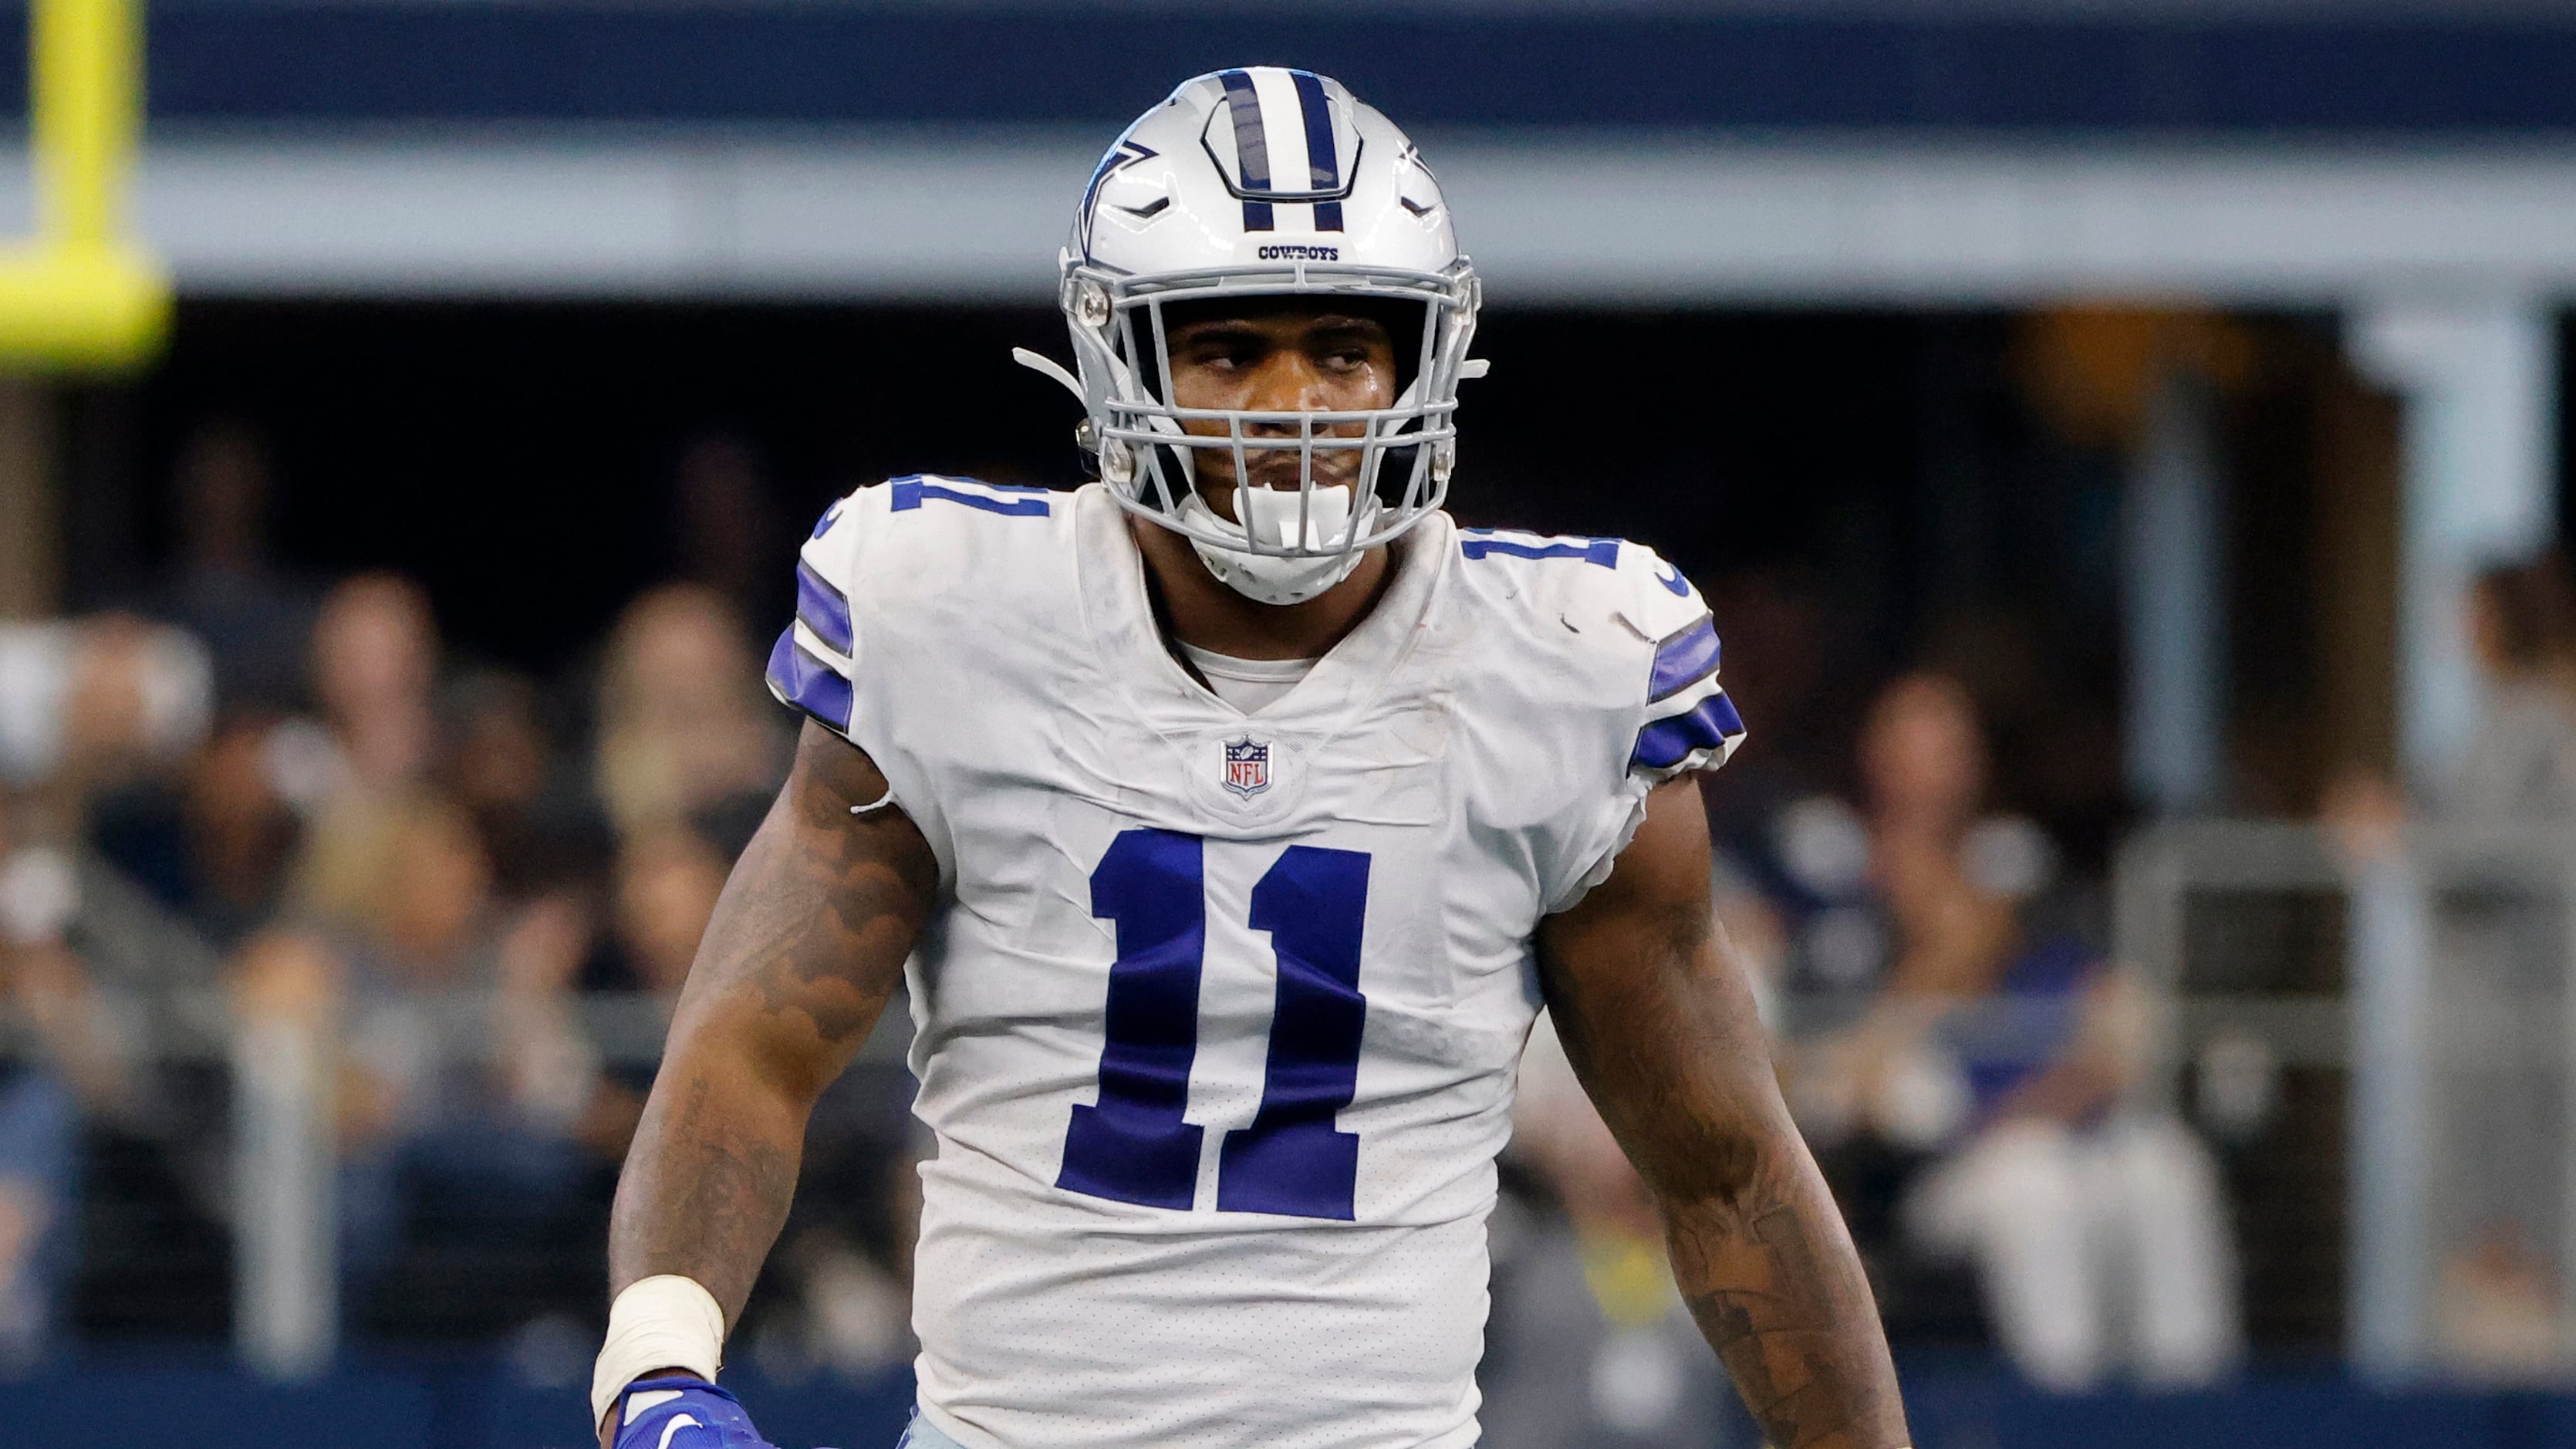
{"x": 2413, "y": 1015}
{"x": 2433, "y": 980}
{"x": 279, "y": 1079}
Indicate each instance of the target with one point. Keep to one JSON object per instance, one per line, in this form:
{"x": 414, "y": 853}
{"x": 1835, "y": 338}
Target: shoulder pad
{"x": 1690, "y": 724}
{"x": 1610, "y": 593}
{"x": 1589, "y": 580}
{"x": 883, "y": 545}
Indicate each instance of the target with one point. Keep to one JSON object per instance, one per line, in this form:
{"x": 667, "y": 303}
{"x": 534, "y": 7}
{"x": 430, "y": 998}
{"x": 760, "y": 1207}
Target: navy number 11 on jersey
{"x": 1135, "y": 1145}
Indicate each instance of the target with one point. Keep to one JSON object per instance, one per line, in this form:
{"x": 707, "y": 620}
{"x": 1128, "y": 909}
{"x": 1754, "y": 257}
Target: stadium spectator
{"x": 100, "y": 715}
{"x": 662, "y": 890}
{"x": 728, "y": 530}
{"x": 2521, "y": 762}
{"x": 466, "y": 1084}
{"x": 240, "y": 831}
{"x": 498, "y": 760}
{"x": 222, "y": 586}
{"x": 375, "y": 661}
{"x": 91, "y": 705}
{"x": 359, "y": 780}
{"x": 2495, "y": 1308}
{"x": 465, "y": 1079}
{"x": 108, "y": 711}
{"x": 101, "y": 724}
{"x": 2497, "y": 1300}
{"x": 667, "y": 881}
{"x": 65, "y": 1059}
{"x": 97, "y": 717}
{"x": 538, "y": 820}
{"x": 2002, "y": 1045}
{"x": 684, "y": 723}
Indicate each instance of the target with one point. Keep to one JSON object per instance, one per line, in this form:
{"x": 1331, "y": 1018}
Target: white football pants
{"x": 2093, "y": 1246}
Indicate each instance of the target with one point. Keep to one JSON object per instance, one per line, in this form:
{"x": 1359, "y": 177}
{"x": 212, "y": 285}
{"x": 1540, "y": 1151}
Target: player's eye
{"x": 1221, "y": 354}
{"x": 1343, "y": 348}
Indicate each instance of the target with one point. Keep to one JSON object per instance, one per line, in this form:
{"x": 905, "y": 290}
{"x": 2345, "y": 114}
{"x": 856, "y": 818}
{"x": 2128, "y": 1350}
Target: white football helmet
{"x": 1251, "y": 183}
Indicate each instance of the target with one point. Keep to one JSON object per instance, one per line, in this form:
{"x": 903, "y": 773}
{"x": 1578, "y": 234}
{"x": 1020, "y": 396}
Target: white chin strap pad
{"x": 1270, "y": 578}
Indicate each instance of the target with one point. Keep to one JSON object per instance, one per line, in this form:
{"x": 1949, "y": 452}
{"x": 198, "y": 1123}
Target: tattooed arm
{"x": 1659, "y": 1023}
{"x": 806, "y": 944}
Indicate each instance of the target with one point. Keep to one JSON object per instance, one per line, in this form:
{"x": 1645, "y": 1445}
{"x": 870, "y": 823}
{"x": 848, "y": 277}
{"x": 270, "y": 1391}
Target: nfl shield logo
{"x": 1247, "y": 766}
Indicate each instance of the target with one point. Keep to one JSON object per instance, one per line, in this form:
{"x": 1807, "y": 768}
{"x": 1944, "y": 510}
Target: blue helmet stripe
{"x": 1323, "y": 168}
{"x": 1251, "y": 138}
{"x": 1251, "y": 145}
{"x": 1323, "y": 164}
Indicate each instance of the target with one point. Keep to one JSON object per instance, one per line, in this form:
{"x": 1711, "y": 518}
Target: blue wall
{"x": 466, "y": 1405}
{"x": 814, "y": 60}
{"x": 419, "y": 1404}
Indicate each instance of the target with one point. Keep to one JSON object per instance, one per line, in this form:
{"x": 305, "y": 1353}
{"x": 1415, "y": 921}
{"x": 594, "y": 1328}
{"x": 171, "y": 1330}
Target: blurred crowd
{"x": 1964, "y": 1057}
{"x": 254, "y": 796}
{"x": 1972, "y": 1065}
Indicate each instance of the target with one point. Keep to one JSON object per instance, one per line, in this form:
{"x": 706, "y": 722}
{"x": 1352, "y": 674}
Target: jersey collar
{"x": 1348, "y": 676}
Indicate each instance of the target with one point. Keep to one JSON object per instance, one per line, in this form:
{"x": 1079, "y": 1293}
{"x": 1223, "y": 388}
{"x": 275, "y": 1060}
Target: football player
{"x": 1229, "y": 819}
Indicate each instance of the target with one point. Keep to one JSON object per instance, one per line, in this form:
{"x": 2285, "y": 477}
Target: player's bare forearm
{"x": 807, "y": 943}
{"x": 1660, "y": 1024}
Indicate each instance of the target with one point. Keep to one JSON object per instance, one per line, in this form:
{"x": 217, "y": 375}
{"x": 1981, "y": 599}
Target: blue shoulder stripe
{"x": 1667, "y": 742}
{"x": 1682, "y": 660}
{"x": 963, "y": 480}
{"x": 807, "y": 683}
{"x": 1479, "y": 543}
{"x": 908, "y": 493}
{"x": 825, "y": 610}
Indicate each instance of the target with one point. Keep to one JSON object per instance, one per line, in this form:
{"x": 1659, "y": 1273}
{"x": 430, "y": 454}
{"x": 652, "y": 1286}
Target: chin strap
{"x": 1270, "y": 578}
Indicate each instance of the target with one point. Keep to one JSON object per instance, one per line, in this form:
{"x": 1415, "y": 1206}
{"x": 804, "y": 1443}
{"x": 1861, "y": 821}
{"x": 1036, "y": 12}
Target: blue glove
{"x": 683, "y": 1413}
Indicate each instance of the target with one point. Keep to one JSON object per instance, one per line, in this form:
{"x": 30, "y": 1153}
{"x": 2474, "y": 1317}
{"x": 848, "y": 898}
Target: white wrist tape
{"x": 665, "y": 1321}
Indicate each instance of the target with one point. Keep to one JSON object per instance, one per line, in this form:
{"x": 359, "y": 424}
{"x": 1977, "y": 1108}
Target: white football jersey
{"x": 1217, "y": 1014}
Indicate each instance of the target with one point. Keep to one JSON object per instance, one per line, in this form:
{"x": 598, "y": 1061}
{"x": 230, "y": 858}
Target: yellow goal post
{"x": 83, "y": 294}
